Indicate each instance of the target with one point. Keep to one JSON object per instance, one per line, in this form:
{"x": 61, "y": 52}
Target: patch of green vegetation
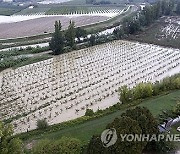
{"x": 38, "y": 10}
{"x": 16, "y": 42}
{"x": 32, "y": 60}
{"x": 8, "y": 10}
{"x": 20, "y": 57}
{"x": 10, "y": 62}
{"x": 162, "y": 103}
{"x": 27, "y": 40}
{"x": 28, "y": 50}
{"x": 80, "y": 2}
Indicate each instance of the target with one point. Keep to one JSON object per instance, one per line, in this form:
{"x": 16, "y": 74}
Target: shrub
{"x": 177, "y": 109}
{"x": 64, "y": 145}
{"x": 89, "y": 112}
{"x": 42, "y": 124}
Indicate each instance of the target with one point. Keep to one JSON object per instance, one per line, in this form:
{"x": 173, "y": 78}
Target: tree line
{"x": 144, "y": 90}
{"x": 61, "y": 39}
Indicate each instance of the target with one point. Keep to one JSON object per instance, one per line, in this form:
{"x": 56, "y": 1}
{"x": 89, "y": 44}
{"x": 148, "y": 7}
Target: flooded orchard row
{"x": 62, "y": 88}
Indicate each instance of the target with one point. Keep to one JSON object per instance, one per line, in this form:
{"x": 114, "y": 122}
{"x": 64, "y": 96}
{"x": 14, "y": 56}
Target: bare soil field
{"x": 165, "y": 32}
{"x": 43, "y": 25}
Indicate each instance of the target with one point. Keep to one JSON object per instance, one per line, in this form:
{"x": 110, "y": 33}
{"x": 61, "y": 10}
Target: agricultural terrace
{"x": 73, "y": 10}
{"x": 80, "y": 2}
{"x": 164, "y": 32}
{"x": 7, "y": 10}
{"x": 61, "y": 88}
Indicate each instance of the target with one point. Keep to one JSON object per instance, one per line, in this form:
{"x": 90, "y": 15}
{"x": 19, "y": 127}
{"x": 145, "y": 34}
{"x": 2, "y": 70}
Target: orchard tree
{"x": 57, "y": 41}
{"x": 134, "y": 26}
{"x": 148, "y": 15}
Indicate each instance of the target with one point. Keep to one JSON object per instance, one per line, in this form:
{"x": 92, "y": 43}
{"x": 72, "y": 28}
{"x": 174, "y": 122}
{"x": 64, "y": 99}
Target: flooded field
{"x": 61, "y": 88}
{"x": 165, "y": 32}
{"x": 172, "y": 28}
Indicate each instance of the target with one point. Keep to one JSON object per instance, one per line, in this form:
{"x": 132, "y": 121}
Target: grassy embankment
{"x": 17, "y": 58}
{"x": 84, "y": 130}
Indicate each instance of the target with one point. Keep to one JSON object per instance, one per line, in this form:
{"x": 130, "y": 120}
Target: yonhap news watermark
{"x": 149, "y": 138}
{"x": 109, "y": 137}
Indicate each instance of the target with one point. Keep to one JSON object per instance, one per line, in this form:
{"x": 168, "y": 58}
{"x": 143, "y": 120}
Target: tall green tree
{"x": 134, "y": 26}
{"x": 92, "y": 40}
{"x": 148, "y": 13}
{"x": 145, "y": 119}
{"x": 71, "y": 34}
{"x": 9, "y": 144}
{"x": 126, "y": 125}
{"x": 57, "y": 41}
{"x": 123, "y": 126}
{"x": 80, "y": 32}
{"x": 118, "y": 33}
{"x": 178, "y": 8}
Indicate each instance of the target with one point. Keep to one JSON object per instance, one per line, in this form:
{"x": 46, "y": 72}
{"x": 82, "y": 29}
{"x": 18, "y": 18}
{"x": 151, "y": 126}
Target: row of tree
{"x": 61, "y": 39}
{"x": 144, "y": 90}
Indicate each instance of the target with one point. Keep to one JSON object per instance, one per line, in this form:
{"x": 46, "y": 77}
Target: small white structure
{"x": 167, "y": 125}
{"x": 31, "y": 7}
{"x": 8, "y": 1}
